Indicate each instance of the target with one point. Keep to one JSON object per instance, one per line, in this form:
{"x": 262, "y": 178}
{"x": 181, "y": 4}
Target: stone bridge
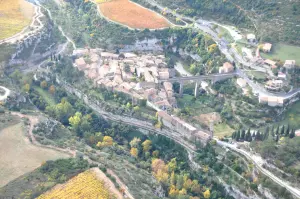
{"x": 197, "y": 79}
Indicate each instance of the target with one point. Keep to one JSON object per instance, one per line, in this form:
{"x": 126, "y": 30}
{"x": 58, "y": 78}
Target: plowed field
{"x": 132, "y": 15}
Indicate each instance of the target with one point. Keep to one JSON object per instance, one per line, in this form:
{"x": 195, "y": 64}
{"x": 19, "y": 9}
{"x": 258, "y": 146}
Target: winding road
{"x": 259, "y": 164}
{"x": 6, "y": 93}
{"x": 172, "y": 135}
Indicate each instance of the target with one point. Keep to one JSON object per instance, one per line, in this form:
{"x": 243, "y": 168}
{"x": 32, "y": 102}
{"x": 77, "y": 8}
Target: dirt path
{"x": 108, "y": 183}
{"x": 34, "y": 121}
{"x": 122, "y": 185}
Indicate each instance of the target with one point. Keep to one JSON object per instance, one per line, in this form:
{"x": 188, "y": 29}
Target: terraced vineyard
{"x": 15, "y": 15}
{"x": 85, "y": 185}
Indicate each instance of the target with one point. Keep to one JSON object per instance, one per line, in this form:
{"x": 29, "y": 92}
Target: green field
{"x": 222, "y": 130}
{"x": 197, "y": 106}
{"x": 292, "y": 116}
{"x": 257, "y": 74}
{"x": 45, "y": 95}
{"x": 284, "y": 52}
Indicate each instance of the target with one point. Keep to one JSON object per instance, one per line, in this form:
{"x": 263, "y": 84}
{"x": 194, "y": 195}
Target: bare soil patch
{"x": 19, "y": 156}
{"x": 132, "y": 15}
{"x": 206, "y": 119}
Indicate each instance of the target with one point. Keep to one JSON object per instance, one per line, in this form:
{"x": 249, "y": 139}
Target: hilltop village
{"x": 138, "y": 77}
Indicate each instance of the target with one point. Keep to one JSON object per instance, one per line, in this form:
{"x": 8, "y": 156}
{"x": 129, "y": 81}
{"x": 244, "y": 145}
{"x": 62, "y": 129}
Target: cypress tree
{"x": 287, "y": 131}
{"x": 248, "y": 136}
{"x": 233, "y": 136}
{"x": 292, "y": 134}
{"x": 272, "y": 132}
{"x": 238, "y": 136}
{"x": 257, "y": 136}
{"x": 243, "y": 135}
{"x": 277, "y": 130}
{"x": 282, "y": 130}
{"x": 266, "y": 135}
{"x": 276, "y": 138}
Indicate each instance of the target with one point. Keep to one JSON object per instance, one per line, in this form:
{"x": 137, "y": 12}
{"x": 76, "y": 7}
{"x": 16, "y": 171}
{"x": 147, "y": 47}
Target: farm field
{"x": 222, "y": 130}
{"x": 85, "y": 185}
{"x": 15, "y": 15}
{"x": 132, "y": 15}
{"x": 283, "y": 52}
{"x": 18, "y": 155}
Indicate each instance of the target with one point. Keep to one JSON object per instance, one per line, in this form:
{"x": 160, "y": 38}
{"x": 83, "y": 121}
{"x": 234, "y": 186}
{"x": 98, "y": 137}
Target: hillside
{"x": 274, "y": 21}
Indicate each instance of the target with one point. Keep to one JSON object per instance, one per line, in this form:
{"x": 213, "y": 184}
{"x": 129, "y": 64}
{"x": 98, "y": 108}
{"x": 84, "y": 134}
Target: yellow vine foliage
{"x": 14, "y": 16}
{"x": 85, "y": 185}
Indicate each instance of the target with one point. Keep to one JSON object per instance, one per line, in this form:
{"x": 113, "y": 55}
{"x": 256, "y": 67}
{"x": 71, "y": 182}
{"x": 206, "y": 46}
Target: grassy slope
{"x": 284, "y": 52}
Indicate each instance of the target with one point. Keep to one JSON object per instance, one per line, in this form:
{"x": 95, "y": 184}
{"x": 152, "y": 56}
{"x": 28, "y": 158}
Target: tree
{"x": 206, "y": 194}
{"x": 257, "y": 136}
{"x": 155, "y": 153}
{"x": 43, "y": 84}
{"x": 287, "y": 131}
{"x": 107, "y": 141}
{"x": 52, "y": 89}
{"x": 238, "y": 136}
{"x": 282, "y": 130}
{"x": 75, "y": 120}
{"x": 173, "y": 178}
{"x": 179, "y": 182}
{"x": 233, "y": 136}
{"x": 173, "y": 192}
{"x": 135, "y": 142}
{"x": 172, "y": 165}
{"x": 196, "y": 187}
{"x": 292, "y": 134}
{"x": 26, "y": 88}
{"x": 146, "y": 145}
{"x": 277, "y": 130}
{"x": 266, "y": 135}
{"x": 243, "y": 135}
{"x": 248, "y": 136}
{"x": 136, "y": 108}
{"x": 158, "y": 164}
{"x": 134, "y": 152}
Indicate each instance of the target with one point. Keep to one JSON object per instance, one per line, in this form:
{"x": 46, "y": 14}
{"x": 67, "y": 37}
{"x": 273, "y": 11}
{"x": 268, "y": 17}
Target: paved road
{"x": 6, "y": 94}
{"x": 230, "y": 53}
{"x": 259, "y": 164}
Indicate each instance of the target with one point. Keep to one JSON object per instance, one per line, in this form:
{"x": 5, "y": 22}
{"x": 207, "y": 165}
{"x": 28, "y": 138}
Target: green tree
{"x": 282, "y": 130}
{"x": 292, "y": 134}
{"x": 287, "y": 131}
{"x": 243, "y": 135}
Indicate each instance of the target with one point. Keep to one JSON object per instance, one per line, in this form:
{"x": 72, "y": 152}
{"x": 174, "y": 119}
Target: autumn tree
{"x": 43, "y": 84}
{"x": 26, "y": 88}
{"x": 107, "y": 141}
{"x": 146, "y": 145}
{"x": 155, "y": 153}
{"x": 134, "y": 152}
{"x": 52, "y": 89}
{"x": 135, "y": 142}
{"x": 75, "y": 120}
{"x": 206, "y": 194}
